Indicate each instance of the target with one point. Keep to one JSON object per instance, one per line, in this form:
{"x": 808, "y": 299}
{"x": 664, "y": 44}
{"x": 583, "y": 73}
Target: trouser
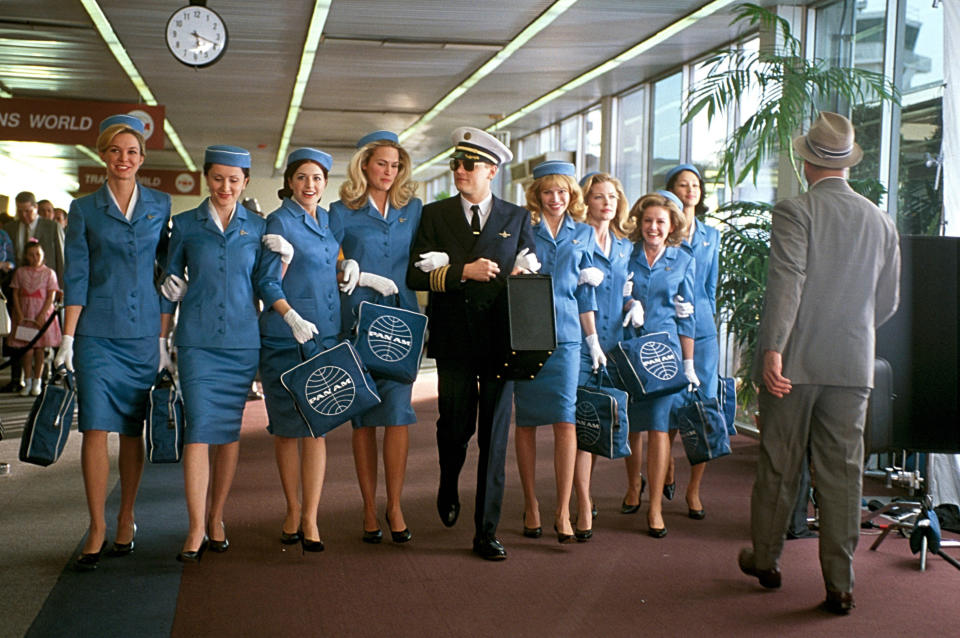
{"x": 470, "y": 399}
{"x": 829, "y": 420}
{"x": 798, "y": 522}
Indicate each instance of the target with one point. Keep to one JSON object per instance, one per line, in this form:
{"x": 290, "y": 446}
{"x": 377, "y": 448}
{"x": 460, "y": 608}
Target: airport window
{"x": 706, "y": 144}
{"x": 631, "y": 145}
{"x": 665, "y": 133}
{"x": 592, "y": 135}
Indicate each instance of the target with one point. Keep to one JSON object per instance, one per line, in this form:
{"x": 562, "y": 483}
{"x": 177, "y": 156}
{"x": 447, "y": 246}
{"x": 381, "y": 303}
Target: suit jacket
{"x": 109, "y": 263}
{"x": 50, "y": 235}
{"x": 462, "y": 318}
{"x": 833, "y": 277}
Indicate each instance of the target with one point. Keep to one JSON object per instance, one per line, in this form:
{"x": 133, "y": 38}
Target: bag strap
{"x": 600, "y": 374}
{"x": 63, "y": 376}
{"x": 316, "y": 341}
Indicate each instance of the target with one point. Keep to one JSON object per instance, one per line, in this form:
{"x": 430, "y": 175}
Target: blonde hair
{"x": 353, "y": 192}
{"x": 677, "y": 218}
{"x": 106, "y": 138}
{"x": 576, "y": 209}
{"x": 621, "y": 224}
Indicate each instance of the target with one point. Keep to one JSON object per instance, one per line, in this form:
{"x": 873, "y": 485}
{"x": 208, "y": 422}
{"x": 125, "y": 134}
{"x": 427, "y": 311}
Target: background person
{"x": 379, "y": 215}
{"x": 464, "y": 249}
{"x": 217, "y": 338}
{"x": 34, "y": 289}
{"x": 112, "y": 324}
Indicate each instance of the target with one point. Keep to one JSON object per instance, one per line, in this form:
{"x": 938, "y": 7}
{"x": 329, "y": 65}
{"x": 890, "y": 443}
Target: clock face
{"x": 196, "y": 36}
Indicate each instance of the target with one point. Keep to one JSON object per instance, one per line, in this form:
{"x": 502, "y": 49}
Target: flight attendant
{"x": 565, "y": 247}
{"x": 607, "y": 215}
{"x": 661, "y": 271}
{"x": 463, "y": 251}
{"x": 218, "y": 342}
{"x": 685, "y": 182}
{"x": 379, "y": 216}
{"x": 308, "y": 242}
{"x": 115, "y": 238}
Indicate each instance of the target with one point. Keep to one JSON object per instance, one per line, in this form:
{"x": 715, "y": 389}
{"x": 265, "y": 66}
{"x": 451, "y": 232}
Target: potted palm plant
{"x": 785, "y": 85}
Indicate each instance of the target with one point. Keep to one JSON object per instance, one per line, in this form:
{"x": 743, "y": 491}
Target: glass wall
{"x": 665, "y": 132}
{"x": 592, "y": 136}
{"x": 632, "y": 143}
{"x": 707, "y": 141}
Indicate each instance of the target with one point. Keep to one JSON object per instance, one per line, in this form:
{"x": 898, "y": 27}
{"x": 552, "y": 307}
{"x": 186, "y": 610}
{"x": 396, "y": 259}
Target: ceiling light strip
{"x": 557, "y": 9}
{"x": 89, "y": 153}
{"x": 113, "y": 43}
{"x": 321, "y": 8}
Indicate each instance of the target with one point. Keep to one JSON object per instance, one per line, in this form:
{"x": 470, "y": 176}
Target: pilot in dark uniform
{"x": 464, "y": 250}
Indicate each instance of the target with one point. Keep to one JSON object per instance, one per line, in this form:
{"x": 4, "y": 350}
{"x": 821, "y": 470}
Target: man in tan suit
{"x": 833, "y": 277}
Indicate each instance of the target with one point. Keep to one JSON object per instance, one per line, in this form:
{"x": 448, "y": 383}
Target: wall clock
{"x": 196, "y": 36}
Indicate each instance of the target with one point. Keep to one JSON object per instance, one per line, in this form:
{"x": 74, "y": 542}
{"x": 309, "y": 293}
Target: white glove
{"x": 683, "y": 309}
{"x": 302, "y": 329}
{"x": 432, "y": 260}
{"x": 174, "y": 288}
{"x": 591, "y": 276}
{"x": 634, "y": 315}
{"x": 527, "y": 261}
{"x": 597, "y": 358}
{"x": 383, "y": 285}
{"x": 166, "y": 363}
{"x": 628, "y": 286}
{"x": 691, "y": 374}
{"x": 65, "y": 353}
{"x": 351, "y": 275}
{"x": 279, "y": 245}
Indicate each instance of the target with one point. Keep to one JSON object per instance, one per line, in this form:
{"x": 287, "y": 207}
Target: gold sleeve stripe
{"x": 438, "y": 279}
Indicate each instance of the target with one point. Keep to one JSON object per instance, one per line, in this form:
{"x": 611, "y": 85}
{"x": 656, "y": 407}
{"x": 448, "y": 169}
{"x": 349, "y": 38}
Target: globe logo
{"x": 588, "y": 423}
{"x": 659, "y": 360}
{"x": 330, "y": 390}
{"x": 389, "y": 338}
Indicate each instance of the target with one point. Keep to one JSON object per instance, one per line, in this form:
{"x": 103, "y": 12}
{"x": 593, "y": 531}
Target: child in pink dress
{"x": 34, "y": 289}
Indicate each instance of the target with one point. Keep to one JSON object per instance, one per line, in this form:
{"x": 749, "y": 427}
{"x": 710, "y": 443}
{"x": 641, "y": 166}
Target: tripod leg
{"x": 950, "y": 559}
{"x": 923, "y": 554}
{"x": 883, "y": 535}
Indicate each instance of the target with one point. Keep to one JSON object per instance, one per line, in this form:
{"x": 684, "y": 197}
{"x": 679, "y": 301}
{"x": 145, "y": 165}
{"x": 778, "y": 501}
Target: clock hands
{"x": 203, "y": 43}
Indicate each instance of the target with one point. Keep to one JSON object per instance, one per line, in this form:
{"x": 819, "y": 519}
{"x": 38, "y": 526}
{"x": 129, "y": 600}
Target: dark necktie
{"x": 475, "y": 220}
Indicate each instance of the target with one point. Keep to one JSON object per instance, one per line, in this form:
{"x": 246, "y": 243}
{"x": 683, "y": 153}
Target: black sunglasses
{"x": 468, "y": 164}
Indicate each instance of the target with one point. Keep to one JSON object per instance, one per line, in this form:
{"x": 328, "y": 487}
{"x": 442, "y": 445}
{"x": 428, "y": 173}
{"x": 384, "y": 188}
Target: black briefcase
{"x": 878, "y": 429}
{"x": 528, "y": 331}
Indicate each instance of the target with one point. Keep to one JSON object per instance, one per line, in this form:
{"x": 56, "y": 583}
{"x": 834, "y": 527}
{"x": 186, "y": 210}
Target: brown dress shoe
{"x": 769, "y": 578}
{"x": 839, "y": 602}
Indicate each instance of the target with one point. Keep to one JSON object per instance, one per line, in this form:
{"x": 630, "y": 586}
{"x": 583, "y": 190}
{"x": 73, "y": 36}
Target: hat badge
{"x": 466, "y": 136}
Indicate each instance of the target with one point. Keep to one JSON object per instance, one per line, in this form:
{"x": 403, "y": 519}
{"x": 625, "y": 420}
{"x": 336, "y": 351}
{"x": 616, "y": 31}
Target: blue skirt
{"x": 394, "y": 407}
{"x": 706, "y": 361}
{"x": 551, "y": 397}
{"x": 277, "y": 355}
{"x": 215, "y": 383}
{"x": 114, "y": 377}
{"x": 653, "y": 414}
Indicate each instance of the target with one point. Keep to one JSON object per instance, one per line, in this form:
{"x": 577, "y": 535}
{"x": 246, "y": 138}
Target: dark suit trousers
{"x": 828, "y": 419}
{"x": 464, "y": 388}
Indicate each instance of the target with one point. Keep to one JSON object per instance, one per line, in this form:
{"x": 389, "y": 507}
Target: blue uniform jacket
{"x": 110, "y": 262}
{"x": 705, "y": 245}
{"x": 227, "y": 272}
{"x": 608, "y": 295}
{"x": 673, "y": 274}
{"x": 310, "y": 283}
{"x": 563, "y": 258}
{"x": 381, "y": 246}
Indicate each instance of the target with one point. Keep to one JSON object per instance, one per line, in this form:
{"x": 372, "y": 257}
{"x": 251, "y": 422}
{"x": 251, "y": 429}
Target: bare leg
{"x": 313, "y": 469}
{"x": 26, "y": 362}
{"x": 671, "y": 467}
{"x": 581, "y": 483}
{"x": 287, "y": 452}
{"x": 365, "y": 461}
{"x": 37, "y": 365}
{"x": 196, "y": 478}
{"x": 131, "y": 469}
{"x": 396, "y": 445}
{"x": 96, "y": 469}
{"x": 658, "y": 457}
{"x": 564, "y": 461}
{"x": 224, "y": 463}
{"x": 693, "y": 490}
{"x": 633, "y": 463}
{"x": 526, "y": 442}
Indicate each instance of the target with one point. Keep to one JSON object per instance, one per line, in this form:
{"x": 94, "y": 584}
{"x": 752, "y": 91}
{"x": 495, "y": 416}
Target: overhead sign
{"x": 72, "y": 121}
{"x": 172, "y": 182}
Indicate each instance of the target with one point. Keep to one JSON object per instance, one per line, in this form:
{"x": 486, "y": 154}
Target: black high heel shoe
{"x": 531, "y": 532}
{"x": 195, "y": 555}
{"x": 626, "y": 508}
{"x": 311, "y": 546}
{"x": 402, "y": 536}
{"x": 88, "y": 562}
{"x": 290, "y": 539}
{"x": 373, "y": 537}
{"x": 220, "y": 546}
{"x": 561, "y": 537}
{"x": 122, "y": 549}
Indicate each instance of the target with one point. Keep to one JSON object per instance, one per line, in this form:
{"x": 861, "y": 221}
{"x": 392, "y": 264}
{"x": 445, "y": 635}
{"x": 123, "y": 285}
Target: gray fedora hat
{"x": 829, "y": 142}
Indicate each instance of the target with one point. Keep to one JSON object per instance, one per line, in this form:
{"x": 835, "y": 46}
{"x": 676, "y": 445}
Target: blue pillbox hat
{"x": 682, "y": 167}
{"x": 583, "y": 180}
{"x": 554, "y": 167}
{"x": 323, "y": 159}
{"x": 127, "y": 120}
{"x": 673, "y": 198}
{"x": 227, "y": 156}
{"x": 377, "y": 136}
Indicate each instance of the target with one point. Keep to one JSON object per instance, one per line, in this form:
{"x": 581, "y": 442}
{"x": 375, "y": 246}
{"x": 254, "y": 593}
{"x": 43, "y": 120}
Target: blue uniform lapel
{"x": 316, "y": 226}
{"x": 105, "y": 201}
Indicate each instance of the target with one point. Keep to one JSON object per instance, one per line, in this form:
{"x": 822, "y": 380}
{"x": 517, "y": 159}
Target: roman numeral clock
{"x": 196, "y": 35}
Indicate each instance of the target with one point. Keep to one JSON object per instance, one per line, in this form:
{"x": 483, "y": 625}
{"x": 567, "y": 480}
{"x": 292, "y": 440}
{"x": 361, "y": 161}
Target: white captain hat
{"x": 478, "y": 145}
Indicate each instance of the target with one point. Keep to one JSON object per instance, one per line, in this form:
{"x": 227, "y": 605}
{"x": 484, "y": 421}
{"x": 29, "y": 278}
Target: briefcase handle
{"x": 599, "y": 375}
{"x": 62, "y": 376}
{"x": 316, "y": 342}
